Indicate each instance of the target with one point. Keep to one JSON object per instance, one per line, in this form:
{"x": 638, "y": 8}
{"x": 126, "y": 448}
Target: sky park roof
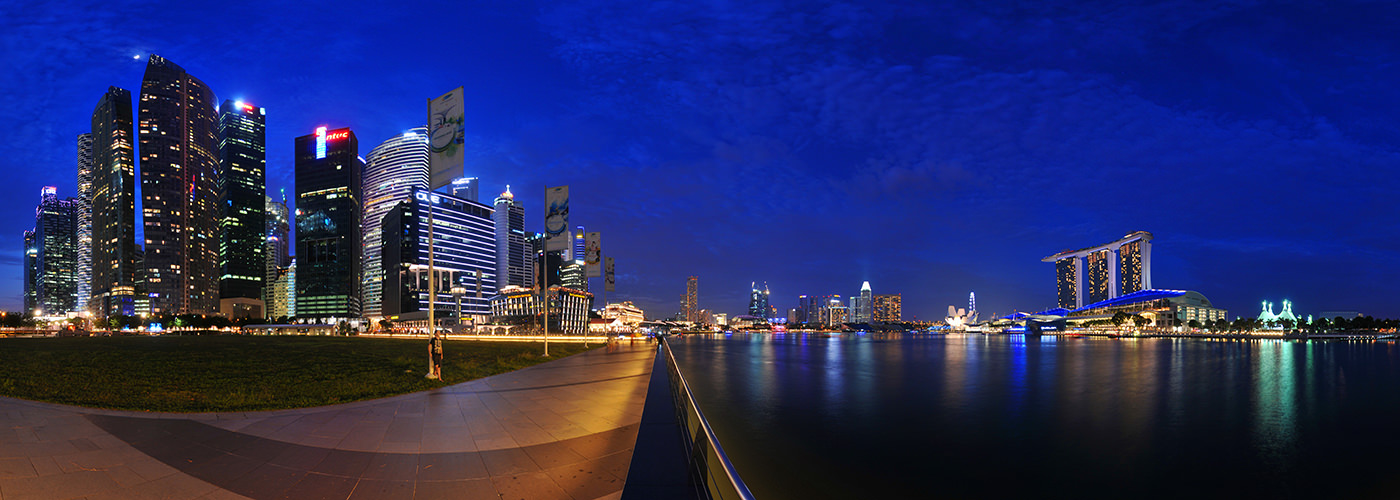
{"x": 1135, "y": 235}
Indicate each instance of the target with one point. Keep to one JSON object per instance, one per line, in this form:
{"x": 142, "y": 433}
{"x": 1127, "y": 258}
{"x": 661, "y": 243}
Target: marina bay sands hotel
{"x": 1113, "y": 269}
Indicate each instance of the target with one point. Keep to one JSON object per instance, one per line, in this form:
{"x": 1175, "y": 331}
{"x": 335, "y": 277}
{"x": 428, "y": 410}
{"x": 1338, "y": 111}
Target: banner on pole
{"x": 593, "y": 254}
{"x": 445, "y": 138}
{"x": 609, "y": 280}
{"x": 556, "y": 219}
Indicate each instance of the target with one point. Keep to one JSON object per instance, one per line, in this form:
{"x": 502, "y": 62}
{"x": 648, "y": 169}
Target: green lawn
{"x": 233, "y": 373}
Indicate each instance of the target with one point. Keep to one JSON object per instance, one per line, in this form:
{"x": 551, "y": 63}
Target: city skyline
{"x": 1256, "y": 146}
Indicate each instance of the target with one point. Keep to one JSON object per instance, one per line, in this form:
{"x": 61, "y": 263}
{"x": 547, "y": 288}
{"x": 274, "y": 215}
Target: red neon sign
{"x": 335, "y": 136}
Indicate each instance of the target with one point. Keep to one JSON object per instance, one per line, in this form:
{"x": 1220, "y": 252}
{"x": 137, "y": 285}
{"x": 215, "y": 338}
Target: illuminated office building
{"x": 328, "y": 247}
{"x": 85, "y": 171}
{"x": 114, "y": 248}
{"x": 31, "y": 272}
{"x": 515, "y": 257}
{"x": 1102, "y": 272}
{"x": 887, "y": 308}
{"x": 690, "y": 303}
{"x": 243, "y": 200}
{"x": 464, "y": 255}
{"x": 276, "y": 257}
{"x": 467, "y": 188}
{"x": 56, "y": 239}
{"x": 393, "y": 170}
{"x": 179, "y": 190}
{"x": 758, "y": 301}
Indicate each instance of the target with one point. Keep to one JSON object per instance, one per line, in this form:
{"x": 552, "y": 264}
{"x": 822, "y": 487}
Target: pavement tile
{"x": 451, "y": 467}
{"x": 343, "y": 463}
{"x": 321, "y": 486}
{"x": 268, "y": 481}
{"x": 581, "y": 482}
{"x": 374, "y": 489}
{"x": 465, "y": 489}
{"x": 71, "y": 485}
{"x": 553, "y": 455}
{"x": 528, "y": 486}
{"x": 392, "y": 466}
{"x": 16, "y": 467}
{"x": 508, "y": 461}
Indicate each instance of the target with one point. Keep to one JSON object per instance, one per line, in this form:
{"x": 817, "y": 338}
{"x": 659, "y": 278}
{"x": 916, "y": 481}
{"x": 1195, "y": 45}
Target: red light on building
{"x": 335, "y": 136}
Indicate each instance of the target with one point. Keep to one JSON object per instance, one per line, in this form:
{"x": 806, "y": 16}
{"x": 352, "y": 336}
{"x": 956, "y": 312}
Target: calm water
{"x": 974, "y": 416}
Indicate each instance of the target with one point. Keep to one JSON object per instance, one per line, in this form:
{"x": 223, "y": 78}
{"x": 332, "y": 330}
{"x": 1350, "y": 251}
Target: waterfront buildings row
{"x": 216, "y": 243}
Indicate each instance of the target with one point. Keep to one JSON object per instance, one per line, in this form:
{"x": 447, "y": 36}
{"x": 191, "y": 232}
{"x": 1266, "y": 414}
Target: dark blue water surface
{"x": 1006, "y": 416}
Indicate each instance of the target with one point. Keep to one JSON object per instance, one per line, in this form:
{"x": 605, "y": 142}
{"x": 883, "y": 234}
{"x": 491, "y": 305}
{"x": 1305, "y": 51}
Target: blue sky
{"x": 931, "y": 148}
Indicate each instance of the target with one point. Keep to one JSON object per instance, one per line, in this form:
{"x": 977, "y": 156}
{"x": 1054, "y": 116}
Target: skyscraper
{"x": 85, "y": 171}
{"x": 576, "y": 252}
{"x": 758, "y": 301}
{"x": 56, "y": 239}
{"x": 1068, "y": 275}
{"x": 515, "y": 257}
{"x": 467, "y": 188}
{"x": 1101, "y": 283}
{"x": 31, "y": 272}
{"x": 276, "y": 259}
{"x": 242, "y": 193}
{"x": 1103, "y": 272}
{"x": 464, "y": 248}
{"x": 887, "y": 308}
{"x": 113, "y": 206}
{"x": 861, "y": 306}
{"x": 328, "y": 183}
{"x": 179, "y": 190}
{"x": 393, "y": 170}
{"x": 689, "y": 303}
{"x": 1134, "y": 275}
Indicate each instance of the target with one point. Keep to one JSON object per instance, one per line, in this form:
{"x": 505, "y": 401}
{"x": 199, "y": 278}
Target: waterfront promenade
{"x": 563, "y": 429}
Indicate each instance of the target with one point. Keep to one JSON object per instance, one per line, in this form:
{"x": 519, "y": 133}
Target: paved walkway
{"x": 563, "y": 429}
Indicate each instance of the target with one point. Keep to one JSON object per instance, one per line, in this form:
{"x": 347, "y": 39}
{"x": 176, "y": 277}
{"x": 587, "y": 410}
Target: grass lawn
{"x": 234, "y": 373}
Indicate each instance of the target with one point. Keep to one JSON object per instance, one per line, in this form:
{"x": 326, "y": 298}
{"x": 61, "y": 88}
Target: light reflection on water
{"x": 984, "y": 416}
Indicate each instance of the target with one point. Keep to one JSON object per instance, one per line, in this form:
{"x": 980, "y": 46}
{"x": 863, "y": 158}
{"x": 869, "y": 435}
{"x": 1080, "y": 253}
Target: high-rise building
{"x": 886, "y": 308}
{"x": 690, "y": 302}
{"x": 860, "y": 305}
{"x": 56, "y": 236}
{"x": 393, "y": 169}
{"x": 758, "y": 301}
{"x": 464, "y": 255}
{"x": 836, "y": 313}
{"x": 576, "y": 252}
{"x": 1103, "y": 272}
{"x": 114, "y": 246}
{"x": 328, "y": 183}
{"x": 275, "y": 254}
{"x": 85, "y": 171}
{"x": 31, "y": 272}
{"x": 242, "y": 199}
{"x": 515, "y": 258}
{"x": 467, "y": 188}
{"x": 179, "y": 190}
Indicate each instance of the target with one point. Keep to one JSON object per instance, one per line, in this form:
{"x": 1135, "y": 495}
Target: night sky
{"x": 930, "y": 148}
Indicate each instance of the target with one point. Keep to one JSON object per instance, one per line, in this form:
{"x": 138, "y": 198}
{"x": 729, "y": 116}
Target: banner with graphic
{"x": 609, "y": 280}
{"x": 593, "y": 254}
{"x": 556, "y": 219}
{"x": 445, "y": 138}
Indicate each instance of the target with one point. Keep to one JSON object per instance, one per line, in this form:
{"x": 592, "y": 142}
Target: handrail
{"x": 685, "y": 400}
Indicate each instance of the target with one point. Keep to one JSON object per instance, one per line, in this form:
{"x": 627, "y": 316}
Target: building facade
{"x": 114, "y": 248}
{"x": 85, "y": 171}
{"x": 56, "y": 267}
{"x": 689, "y": 304}
{"x": 758, "y": 301}
{"x": 568, "y": 310}
{"x": 276, "y": 259}
{"x": 1103, "y": 272}
{"x": 328, "y": 239}
{"x": 467, "y": 188}
{"x": 860, "y": 305}
{"x": 393, "y": 169}
{"x": 464, "y": 255}
{"x": 31, "y": 273}
{"x": 887, "y": 308}
{"x": 515, "y": 256}
{"x": 178, "y": 134}
{"x": 243, "y": 202}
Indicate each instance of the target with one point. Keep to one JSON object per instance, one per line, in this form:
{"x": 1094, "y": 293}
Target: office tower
{"x": 56, "y": 236}
{"x": 466, "y": 188}
{"x": 31, "y": 272}
{"x": 114, "y": 246}
{"x": 328, "y": 183}
{"x": 860, "y": 305}
{"x": 393, "y": 170}
{"x": 179, "y": 190}
{"x": 576, "y": 252}
{"x": 242, "y": 200}
{"x": 689, "y": 303}
{"x": 85, "y": 171}
{"x": 515, "y": 257}
{"x": 573, "y": 275}
{"x": 464, "y": 255}
{"x": 275, "y": 256}
{"x": 758, "y": 301}
{"x": 886, "y": 308}
{"x": 799, "y": 314}
{"x": 836, "y": 313}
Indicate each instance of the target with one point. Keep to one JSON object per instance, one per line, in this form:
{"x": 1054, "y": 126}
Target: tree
{"x": 1140, "y": 321}
{"x": 1119, "y": 318}
{"x": 1193, "y": 324}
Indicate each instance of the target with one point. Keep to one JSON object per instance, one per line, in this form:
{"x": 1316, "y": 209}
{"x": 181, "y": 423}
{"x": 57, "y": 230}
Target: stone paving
{"x": 563, "y": 429}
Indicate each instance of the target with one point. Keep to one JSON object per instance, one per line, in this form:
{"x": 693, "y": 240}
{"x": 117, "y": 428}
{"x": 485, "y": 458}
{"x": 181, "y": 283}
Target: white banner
{"x": 609, "y": 279}
{"x": 556, "y": 219}
{"x": 445, "y": 138}
{"x": 593, "y": 254}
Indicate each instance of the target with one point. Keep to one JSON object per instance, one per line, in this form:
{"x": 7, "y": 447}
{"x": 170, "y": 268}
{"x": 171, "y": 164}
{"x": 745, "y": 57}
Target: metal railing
{"x": 710, "y": 469}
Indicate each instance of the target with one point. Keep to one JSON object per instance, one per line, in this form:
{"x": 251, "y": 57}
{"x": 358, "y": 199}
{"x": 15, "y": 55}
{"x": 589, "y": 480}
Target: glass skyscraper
{"x": 242, "y": 193}
{"x": 276, "y": 257}
{"x": 464, "y": 255}
{"x": 393, "y": 170}
{"x": 56, "y": 267}
{"x": 113, "y": 206}
{"x": 85, "y": 166}
{"x": 515, "y": 257}
{"x": 179, "y": 190}
{"x": 328, "y": 183}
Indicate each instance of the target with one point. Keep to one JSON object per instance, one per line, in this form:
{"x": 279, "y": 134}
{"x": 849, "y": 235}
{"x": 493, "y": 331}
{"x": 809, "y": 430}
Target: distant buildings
{"x": 515, "y": 256}
{"x": 242, "y": 191}
{"x": 328, "y": 182}
{"x": 758, "y": 301}
{"x": 688, "y": 301}
{"x": 886, "y": 308}
{"x": 568, "y": 310}
{"x": 85, "y": 172}
{"x": 277, "y": 260}
{"x": 31, "y": 272}
{"x": 1103, "y": 272}
{"x": 55, "y": 246}
{"x": 114, "y": 249}
{"x": 467, "y": 188}
{"x": 860, "y": 305}
{"x": 393, "y": 169}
